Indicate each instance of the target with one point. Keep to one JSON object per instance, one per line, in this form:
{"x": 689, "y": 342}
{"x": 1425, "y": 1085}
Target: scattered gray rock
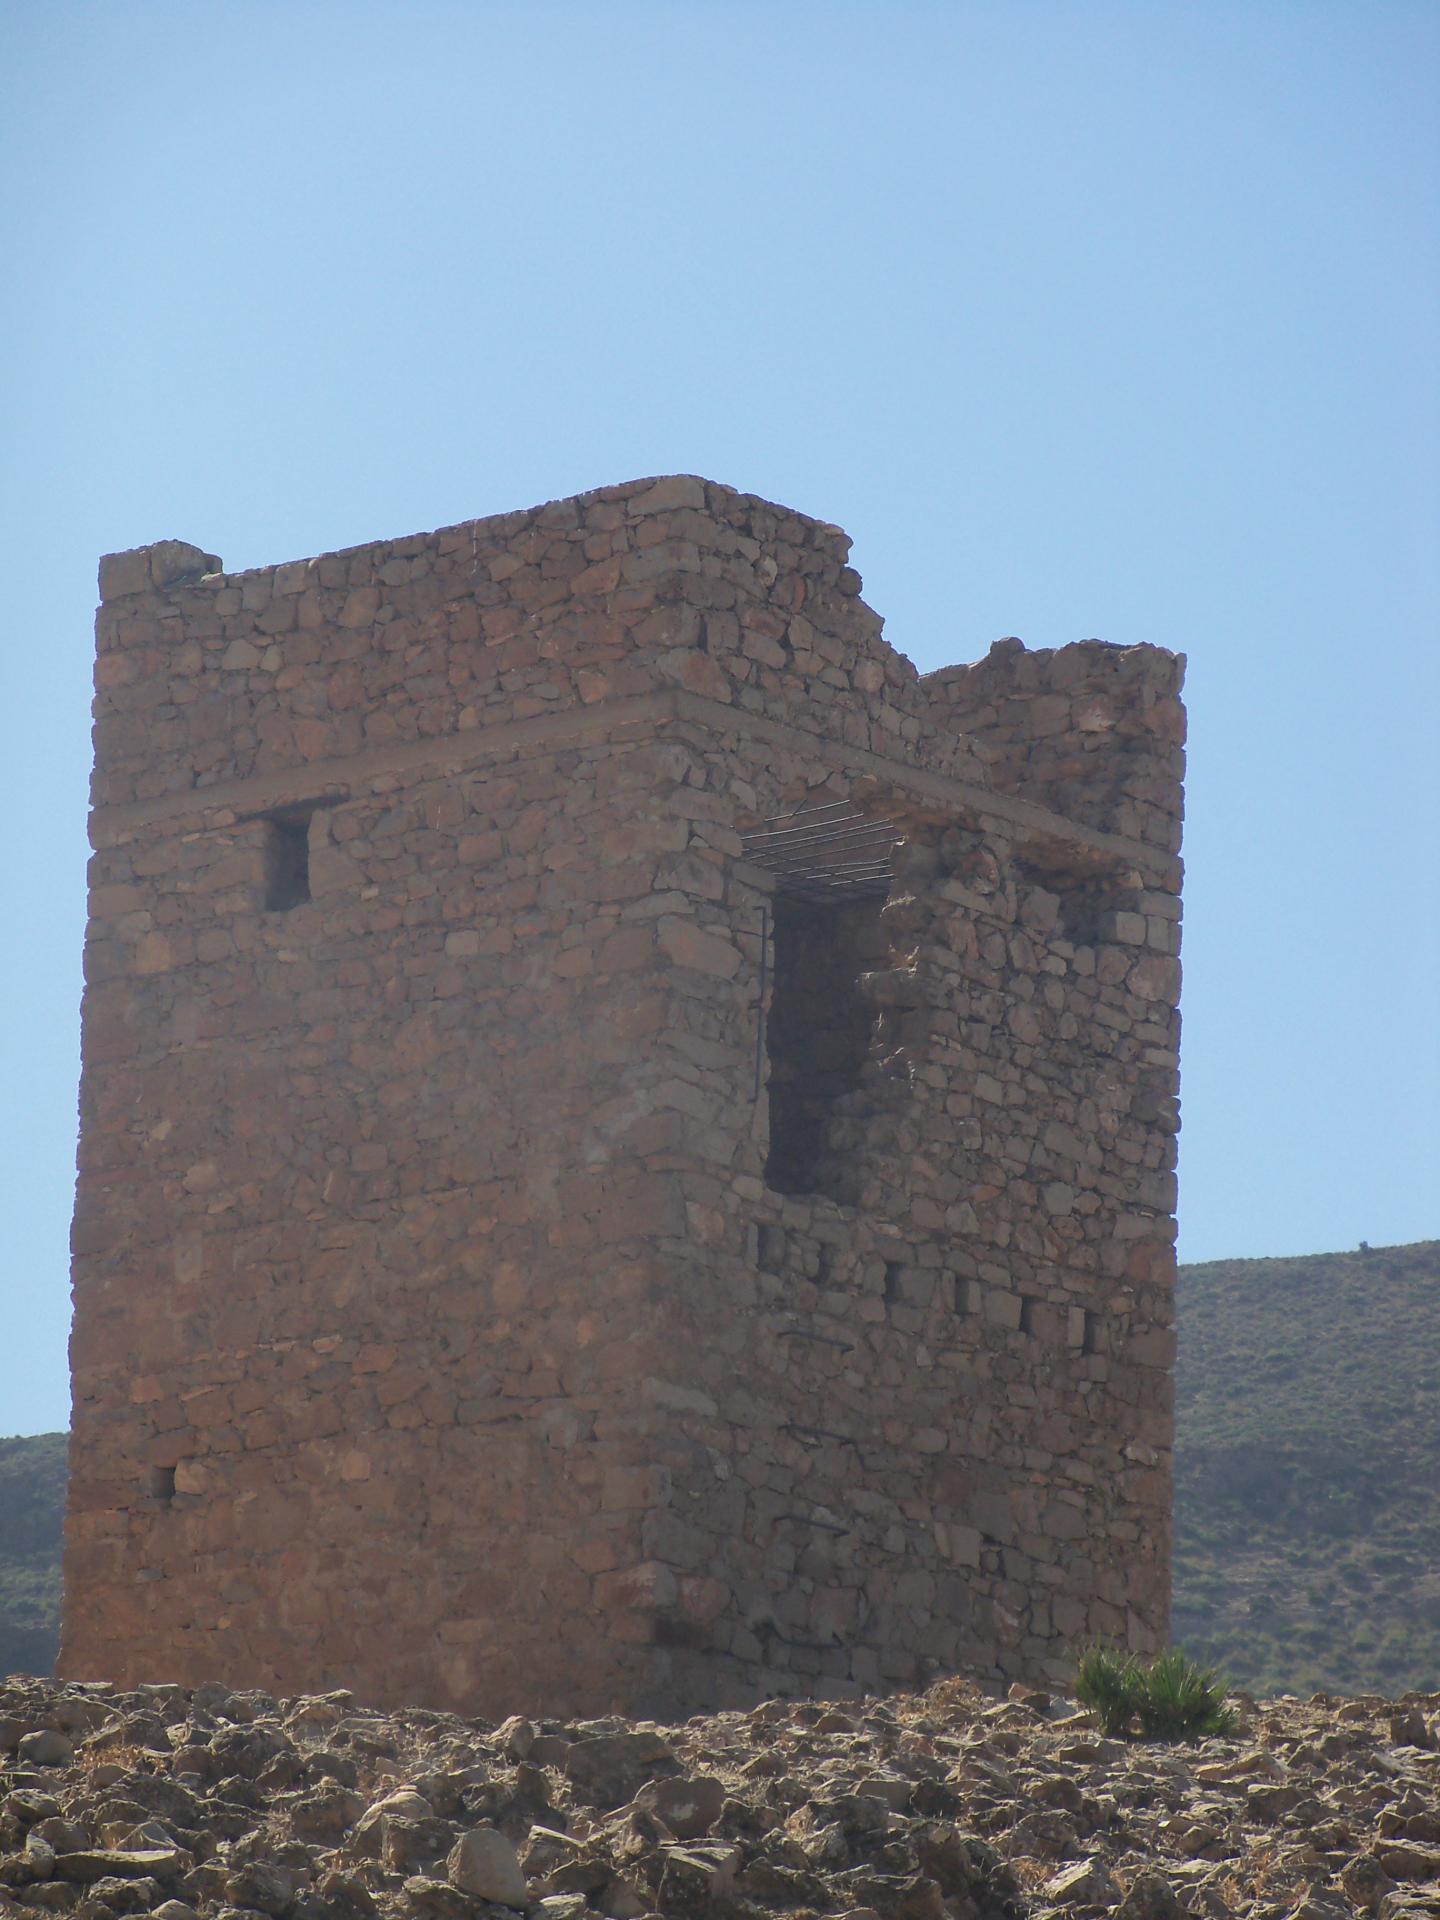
{"x": 610, "y": 1767}
{"x": 695, "y": 1877}
{"x": 1150, "y": 1896}
{"x": 689, "y": 1805}
{"x": 46, "y": 1748}
{"x": 484, "y": 1862}
{"x": 437, "y": 1899}
{"x": 562, "y": 1906}
{"x": 262, "y": 1887}
{"x": 1087, "y": 1884}
{"x": 117, "y": 1863}
{"x": 1365, "y": 1882}
{"x": 218, "y": 1804}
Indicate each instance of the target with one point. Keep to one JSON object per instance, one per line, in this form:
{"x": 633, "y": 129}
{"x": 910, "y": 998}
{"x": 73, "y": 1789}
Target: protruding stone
{"x": 1150, "y": 1896}
{"x": 688, "y": 1804}
{"x": 1087, "y": 1884}
{"x": 484, "y": 1862}
{"x": 165, "y": 563}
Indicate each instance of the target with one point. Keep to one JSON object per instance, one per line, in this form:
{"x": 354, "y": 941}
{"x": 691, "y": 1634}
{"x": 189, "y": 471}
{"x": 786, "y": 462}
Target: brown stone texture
{"x": 449, "y": 1326}
{"x": 215, "y": 1804}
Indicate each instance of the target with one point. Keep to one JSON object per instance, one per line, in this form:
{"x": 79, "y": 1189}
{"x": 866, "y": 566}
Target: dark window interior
{"x": 287, "y": 861}
{"x": 818, "y": 1033}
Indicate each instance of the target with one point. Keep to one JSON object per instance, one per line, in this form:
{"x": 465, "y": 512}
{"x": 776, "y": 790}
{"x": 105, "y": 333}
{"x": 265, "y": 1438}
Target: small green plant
{"x": 1105, "y": 1682}
{"x": 1168, "y": 1698}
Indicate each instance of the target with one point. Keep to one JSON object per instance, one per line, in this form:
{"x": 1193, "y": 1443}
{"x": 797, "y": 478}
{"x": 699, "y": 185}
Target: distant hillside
{"x": 1307, "y": 1553}
{"x": 32, "y": 1502}
{"x": 1308, "y": 1470}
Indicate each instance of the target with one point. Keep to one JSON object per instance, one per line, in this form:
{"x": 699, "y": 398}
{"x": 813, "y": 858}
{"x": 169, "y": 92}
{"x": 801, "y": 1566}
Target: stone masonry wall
{"x": 1095, "y": 732}
{"x": 437, "y": 1332}
{"x": 925, "y": 1418}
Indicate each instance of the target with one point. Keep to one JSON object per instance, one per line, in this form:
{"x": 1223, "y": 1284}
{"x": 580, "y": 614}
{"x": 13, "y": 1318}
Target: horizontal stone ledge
{"x": 338, "y": 778}
{"x": 1040, "y": 835}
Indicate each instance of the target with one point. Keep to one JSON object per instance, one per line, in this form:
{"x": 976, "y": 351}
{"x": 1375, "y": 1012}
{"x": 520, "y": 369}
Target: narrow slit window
{"x": 287, "y": 862}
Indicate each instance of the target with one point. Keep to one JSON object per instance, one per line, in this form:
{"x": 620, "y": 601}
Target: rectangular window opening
{"x": 1090, "y": 1337}
{"x": 770, "y": 1250}
{"x": 1027, "y": 1313}
{"x": 287, "y": 861}
{"x": 160, "y": 1484}
{"x": 818, "y": 1032}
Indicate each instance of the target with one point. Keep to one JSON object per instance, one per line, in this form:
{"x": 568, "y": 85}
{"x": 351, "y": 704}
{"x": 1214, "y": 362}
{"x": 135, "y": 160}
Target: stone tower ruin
{"x": 628, "y": 1137}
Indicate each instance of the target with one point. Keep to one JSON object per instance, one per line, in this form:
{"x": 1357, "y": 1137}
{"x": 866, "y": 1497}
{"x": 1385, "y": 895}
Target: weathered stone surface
{"x": 689, "y": 1805}
{"x": 1156, "y": 1830}
{"x": 611, "y": 1766}
{"x": 514, "y": 1199}
{"x": 1086, "y": 1884}
{"x": 695, "y": 1879}
{"x": 1150, "y": 1896}
{"x": 98, "y": 1863}
{"x": 262, "y": 1887}
{"x": 484, "y": 1862}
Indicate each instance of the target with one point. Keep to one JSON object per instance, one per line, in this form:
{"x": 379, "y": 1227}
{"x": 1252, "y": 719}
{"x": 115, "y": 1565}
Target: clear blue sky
{"x": 1083, "y": 319}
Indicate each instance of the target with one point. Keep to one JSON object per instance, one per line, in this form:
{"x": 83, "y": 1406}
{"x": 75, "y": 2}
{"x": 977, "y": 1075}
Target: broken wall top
{"x": 616, "y": 599}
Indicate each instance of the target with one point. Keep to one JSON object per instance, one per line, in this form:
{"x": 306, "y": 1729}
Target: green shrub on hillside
{"x": 1168, "y": 1698}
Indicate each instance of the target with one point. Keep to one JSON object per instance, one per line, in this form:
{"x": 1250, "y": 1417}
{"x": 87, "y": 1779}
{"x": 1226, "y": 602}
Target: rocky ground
{"x": 948, "y": 1806}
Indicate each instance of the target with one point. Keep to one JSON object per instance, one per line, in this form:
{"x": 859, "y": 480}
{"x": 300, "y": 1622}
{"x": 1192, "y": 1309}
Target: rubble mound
{"x": 951, "y": 1805}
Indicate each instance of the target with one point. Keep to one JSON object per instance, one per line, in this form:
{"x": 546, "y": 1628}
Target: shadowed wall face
{"x": 536, "y": 1247}
{"x": 818, "y": 1029}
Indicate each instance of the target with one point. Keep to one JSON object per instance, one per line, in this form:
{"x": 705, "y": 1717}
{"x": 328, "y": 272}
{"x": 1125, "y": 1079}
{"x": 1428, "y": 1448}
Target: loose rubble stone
{"x": 562, "y": 1906}
{"x": 610, "y": 1767}
{"x": 1365, "y": 1882}
{"x": 689, "y": 1805}
{"x": 695, "y": 1878}
{"x": 483, "y": 1862}
{"x": 99, "y": 1863}
{"x": 1150, "y": 1896}
{"x": 261, "y": 1887}
{"x": 436, "y": 1899}
{"x": 1086, "y": 1884}
{"x": 1159, "y": 1833}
